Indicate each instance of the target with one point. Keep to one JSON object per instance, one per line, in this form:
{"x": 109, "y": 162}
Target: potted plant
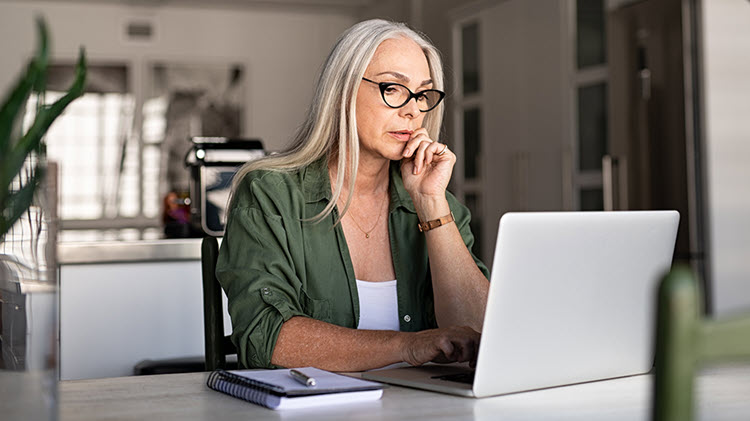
{"x": 16, "y": 187}
{"x": 28, "y": 327}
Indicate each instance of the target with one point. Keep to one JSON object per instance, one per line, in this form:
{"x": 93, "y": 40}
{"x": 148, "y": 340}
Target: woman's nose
{"x": 410, "y": 109}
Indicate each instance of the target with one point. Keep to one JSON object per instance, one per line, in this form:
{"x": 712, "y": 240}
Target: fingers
{"x": 421, "y": 155}
{"x": 474, "y": 353}
{"x": 424, "y": 151}
{"x": 417, "y": 137}
{"x": 448, "y": 349}
{"x": 455, "y": 344}
{"x": 466, "y": 346}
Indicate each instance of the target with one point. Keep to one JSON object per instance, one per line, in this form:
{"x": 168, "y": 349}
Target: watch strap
{"x": 434, "y": 223}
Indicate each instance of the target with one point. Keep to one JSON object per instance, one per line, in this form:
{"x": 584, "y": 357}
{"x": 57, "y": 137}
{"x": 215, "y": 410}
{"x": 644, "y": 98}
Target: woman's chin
{"x": 393, "y": 154}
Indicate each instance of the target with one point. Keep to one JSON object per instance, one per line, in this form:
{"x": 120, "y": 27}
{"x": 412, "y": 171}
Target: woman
{"x": 323, "y": 261}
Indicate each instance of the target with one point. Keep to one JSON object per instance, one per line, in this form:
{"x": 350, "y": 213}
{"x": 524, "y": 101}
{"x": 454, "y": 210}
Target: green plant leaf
{"x": 14, "y": 105}
{"x": 14, "y": 201}
{"x": 43, "y": 55}
{"x": 9, "y": 113}
{"x": 19, "y": 201}
{"x": 31, "y": 141}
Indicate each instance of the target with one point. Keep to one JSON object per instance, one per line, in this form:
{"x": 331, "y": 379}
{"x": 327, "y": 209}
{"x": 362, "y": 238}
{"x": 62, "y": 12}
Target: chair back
{"x": 218, "y": 346}
{"x": 685, "y": 340}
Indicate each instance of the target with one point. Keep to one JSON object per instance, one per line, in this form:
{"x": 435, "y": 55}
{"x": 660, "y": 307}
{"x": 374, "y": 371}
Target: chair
{"x": 218, "y": 346}
{"x": 685, "y": 339}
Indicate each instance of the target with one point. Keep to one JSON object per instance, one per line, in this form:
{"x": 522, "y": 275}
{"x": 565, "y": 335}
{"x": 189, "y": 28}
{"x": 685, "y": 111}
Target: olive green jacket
{"x": 274, "y": 265}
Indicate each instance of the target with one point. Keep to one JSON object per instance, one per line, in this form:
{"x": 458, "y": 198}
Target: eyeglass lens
{"x": 397, "y": 95}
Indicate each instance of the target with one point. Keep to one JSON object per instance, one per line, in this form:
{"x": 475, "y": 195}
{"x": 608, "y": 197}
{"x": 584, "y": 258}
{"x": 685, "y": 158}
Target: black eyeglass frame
{"x": 385, "y": 85}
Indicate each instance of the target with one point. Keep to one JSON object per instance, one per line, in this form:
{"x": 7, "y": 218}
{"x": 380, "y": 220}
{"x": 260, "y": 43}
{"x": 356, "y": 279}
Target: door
{"x": 652, "y": 165}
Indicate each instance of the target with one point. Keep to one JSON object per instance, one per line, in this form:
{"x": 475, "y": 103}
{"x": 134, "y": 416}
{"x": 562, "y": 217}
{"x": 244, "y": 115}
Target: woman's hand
{"x": 446, "y": 345}
{"x": 425, "y": 171}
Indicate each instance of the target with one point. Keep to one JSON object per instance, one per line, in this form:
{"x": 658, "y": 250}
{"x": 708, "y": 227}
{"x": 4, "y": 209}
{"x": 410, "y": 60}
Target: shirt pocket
{"x": 319, "y": 309}
{"x": 315, "y": 308}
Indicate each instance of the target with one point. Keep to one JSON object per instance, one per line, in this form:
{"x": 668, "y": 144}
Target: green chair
{"x": 685, "y": 340}
{"x": 218, "y": 346}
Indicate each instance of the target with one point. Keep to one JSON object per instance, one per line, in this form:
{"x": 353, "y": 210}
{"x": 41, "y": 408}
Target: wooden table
{"x": 723, "y": 394}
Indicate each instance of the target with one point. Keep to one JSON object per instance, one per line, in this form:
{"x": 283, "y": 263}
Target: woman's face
{"x": 383, "y": 131}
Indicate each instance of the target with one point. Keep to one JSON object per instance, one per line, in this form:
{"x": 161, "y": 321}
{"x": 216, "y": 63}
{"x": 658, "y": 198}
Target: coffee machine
{"x": 212, "y": 162}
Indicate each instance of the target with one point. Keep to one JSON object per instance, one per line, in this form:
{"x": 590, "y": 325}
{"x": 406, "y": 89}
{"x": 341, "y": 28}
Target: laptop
{"x": 572, "y": 299}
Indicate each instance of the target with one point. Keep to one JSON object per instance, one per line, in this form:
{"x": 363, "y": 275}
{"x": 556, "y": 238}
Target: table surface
{"x": 723, "y": 394}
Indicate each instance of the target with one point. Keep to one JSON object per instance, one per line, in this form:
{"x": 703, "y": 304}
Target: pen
{"x": 302, "y": 378}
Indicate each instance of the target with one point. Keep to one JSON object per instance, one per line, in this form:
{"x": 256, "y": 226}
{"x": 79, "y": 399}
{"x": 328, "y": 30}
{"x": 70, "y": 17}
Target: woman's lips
{"x": 401, "y": 135}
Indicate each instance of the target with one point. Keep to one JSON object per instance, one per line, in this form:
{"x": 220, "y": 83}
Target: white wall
{"x": 726, "y": 64}
{"x": 282, "y": 48}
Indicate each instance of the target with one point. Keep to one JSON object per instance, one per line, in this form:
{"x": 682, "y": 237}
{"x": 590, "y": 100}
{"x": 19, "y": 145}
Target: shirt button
{"x": 407, "y": 318}
{"x": 266, "y": 291}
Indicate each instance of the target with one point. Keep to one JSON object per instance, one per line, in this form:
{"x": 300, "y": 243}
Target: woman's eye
{"x": 390, "y": 90}
{"x": 421, "y": 98}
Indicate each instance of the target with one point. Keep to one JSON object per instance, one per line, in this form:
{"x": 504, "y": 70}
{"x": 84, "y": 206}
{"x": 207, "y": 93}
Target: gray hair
{"x": 330, "y": 127}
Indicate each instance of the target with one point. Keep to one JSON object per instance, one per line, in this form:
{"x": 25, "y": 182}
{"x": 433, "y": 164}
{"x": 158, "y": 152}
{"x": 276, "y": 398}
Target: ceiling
{"x": 341, "y": 4}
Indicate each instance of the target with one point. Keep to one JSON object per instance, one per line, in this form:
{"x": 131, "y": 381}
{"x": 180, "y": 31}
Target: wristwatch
{"x": 429, "y": 225}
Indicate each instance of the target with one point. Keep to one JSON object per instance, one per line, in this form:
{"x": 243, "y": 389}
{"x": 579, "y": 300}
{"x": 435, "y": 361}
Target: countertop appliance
{"x": 212, "y": 162}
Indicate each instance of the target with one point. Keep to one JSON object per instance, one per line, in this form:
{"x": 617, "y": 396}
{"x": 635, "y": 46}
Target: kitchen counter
{"x": 129, "y": 251}
{"x": 142, "y": 300}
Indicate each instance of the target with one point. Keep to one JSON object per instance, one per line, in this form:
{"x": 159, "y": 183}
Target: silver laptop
{"x": 572, "y": 299}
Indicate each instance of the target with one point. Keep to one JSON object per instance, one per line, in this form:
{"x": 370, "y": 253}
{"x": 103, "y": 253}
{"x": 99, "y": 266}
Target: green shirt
{"x": 274, "y": 265}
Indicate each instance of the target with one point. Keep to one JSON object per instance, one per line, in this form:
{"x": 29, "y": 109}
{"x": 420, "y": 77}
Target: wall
{"x": 726, "y": 65}
{"x": 525, "y": 100}
{"x": 282, "y": 48}
{"x": 433, "y": 18}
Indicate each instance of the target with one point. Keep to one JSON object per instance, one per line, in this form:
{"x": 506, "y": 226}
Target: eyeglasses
{"x": 396, "y": 95}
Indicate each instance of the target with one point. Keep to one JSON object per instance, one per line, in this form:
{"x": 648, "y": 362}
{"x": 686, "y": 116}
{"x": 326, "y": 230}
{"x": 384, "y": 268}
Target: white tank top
{"x": 378, "y": 305}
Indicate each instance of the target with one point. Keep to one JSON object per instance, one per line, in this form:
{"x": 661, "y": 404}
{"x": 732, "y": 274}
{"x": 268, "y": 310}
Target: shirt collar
{"x": 315, "y": 181}
{"x": 399, "y": 195}
{"x": 317, "y": 185}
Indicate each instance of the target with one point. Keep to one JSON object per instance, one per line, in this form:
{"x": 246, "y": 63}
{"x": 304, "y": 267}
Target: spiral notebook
{"x": 276, "y": 389}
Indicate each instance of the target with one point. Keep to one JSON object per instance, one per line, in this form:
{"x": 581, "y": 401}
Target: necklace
{"x": 367, "y": 233}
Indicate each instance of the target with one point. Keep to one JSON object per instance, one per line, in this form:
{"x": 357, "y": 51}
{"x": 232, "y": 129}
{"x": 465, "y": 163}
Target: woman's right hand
{"x": 443, "y": 345}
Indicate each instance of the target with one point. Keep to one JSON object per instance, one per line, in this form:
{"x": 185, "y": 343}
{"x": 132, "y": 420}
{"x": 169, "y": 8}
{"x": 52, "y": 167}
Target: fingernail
{"x": 406, "y": 152}
{"x": 415, "y": 170}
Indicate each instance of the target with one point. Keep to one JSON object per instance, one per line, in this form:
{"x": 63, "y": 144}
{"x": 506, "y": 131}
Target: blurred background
{"x": 552, "y": 105}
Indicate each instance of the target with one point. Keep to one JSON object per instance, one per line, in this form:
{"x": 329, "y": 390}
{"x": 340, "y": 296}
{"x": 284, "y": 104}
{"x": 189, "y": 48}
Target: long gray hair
{"x": 330, "y": 127}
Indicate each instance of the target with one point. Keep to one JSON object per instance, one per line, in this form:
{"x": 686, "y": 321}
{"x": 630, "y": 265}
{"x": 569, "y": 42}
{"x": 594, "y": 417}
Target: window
{"x": 590, "y": 35}
{"x": 592, "y": 126}
{"x": 470, "y": 58}
{"x": 467, "y": 121}
{"x": 100, "y": 160}
{"x": 590, "y": 93}
{"x": 472, "y": 142}
{"x": 119, "y": 153}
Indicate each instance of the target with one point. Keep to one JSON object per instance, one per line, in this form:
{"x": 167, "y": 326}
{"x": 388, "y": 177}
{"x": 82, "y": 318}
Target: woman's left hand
{"x": 426, "y": 166}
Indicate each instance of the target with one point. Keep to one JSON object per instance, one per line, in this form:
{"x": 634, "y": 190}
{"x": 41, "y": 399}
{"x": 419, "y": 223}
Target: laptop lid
{"x": 572, "y": 298}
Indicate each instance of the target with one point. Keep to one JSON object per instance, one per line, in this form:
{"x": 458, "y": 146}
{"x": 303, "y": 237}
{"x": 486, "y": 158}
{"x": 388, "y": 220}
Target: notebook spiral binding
{"x": 252, "y": 391}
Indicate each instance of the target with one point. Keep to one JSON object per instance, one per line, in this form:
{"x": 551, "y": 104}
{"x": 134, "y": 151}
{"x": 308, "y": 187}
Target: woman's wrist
{"x": 405, "y": 353}
{"x": 431, "y": 207}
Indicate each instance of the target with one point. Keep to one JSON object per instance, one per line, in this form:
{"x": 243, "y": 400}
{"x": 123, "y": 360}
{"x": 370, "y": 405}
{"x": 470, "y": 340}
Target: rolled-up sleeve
{"x": 256, "y": 270}
{"x": 463, "y": 219}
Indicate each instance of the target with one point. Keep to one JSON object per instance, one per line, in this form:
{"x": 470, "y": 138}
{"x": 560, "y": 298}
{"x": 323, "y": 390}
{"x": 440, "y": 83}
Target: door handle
{"x": 608, "y": 185}
{"x": 644, "y": 75}
{"x": 614, "y": 183}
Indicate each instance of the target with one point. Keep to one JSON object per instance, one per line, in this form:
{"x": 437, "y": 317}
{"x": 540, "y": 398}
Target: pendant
{"x": 367, "y": 235}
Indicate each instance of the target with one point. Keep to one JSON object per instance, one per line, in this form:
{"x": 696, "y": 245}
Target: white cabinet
{"x": 123, "y": 302}
{"x": 524, "y": 99}
{"x": 113, "y": 315}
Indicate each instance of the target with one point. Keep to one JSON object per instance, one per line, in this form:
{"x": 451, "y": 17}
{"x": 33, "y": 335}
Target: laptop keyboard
{"x": 467, "y": 377}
